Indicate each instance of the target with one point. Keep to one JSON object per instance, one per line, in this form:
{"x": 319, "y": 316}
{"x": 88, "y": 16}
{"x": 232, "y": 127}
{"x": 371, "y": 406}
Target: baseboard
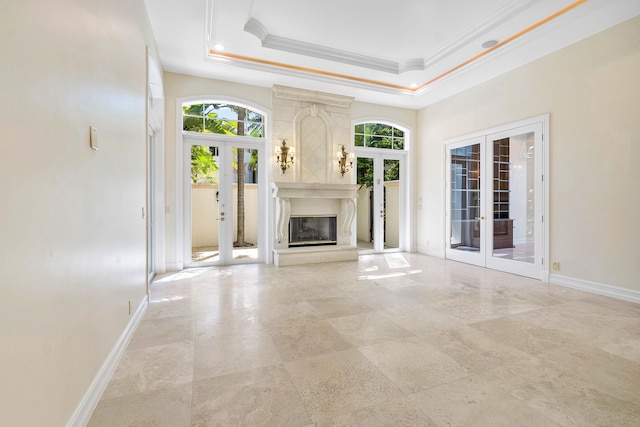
{"x": 596, "y": 288}
{"x": 430, "y": 251}
{"x": 171, "y": 266}
{"x": 88, "y": 404}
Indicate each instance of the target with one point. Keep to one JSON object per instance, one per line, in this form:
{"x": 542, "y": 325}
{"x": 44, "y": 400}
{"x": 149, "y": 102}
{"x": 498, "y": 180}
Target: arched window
{"x": 378, "y": 135}
{"x": 222, "y": 147}
{"x": 225, "y": 119}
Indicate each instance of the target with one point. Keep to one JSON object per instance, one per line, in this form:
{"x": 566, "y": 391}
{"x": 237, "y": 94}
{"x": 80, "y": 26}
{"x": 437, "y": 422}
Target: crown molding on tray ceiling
{"x": 354, "y": 81}
{"x": 267, "y": 40}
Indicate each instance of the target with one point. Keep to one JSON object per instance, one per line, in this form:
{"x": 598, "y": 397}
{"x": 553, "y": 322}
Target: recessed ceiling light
{"x": 218, "y": 46}
{"x": 414, "y": 85}
{"x": 489, "y": 43}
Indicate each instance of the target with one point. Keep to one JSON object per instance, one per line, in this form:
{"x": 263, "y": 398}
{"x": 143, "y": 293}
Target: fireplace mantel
{"x": 345, "y": 194}
{"x": 290, "y": 190}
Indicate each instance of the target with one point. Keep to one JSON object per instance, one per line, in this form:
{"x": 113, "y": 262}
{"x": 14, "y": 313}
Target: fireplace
{"x": 318, "y": 242}
{"x": 312, "y": 230}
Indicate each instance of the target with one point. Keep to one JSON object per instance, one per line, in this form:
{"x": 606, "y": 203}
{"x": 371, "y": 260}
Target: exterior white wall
{"x": 204, "y": 213}
{"x": 392, "y": 214}
{"x": 73, "y": 240}
{"x": 591, "y": 91}
{"x": 363, "y": 222}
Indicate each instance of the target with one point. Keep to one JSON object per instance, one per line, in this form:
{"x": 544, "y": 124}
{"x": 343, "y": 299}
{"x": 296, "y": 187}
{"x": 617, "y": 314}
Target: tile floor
{"x": 396, "y": 339}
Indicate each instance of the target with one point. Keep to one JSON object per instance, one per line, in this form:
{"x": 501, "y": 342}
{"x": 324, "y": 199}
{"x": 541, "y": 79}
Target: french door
{"x": 380, "y": 218}
{"x": 495, "y": 200}
{"x": 222, "y": 200}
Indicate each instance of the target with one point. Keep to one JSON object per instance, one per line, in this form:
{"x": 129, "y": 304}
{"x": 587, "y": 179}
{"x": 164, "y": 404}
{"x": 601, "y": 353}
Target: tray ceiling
{"x": 409, "y": 53}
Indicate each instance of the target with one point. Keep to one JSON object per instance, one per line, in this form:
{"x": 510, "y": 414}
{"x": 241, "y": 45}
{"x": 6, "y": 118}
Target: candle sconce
{"x": 284, "y": 156}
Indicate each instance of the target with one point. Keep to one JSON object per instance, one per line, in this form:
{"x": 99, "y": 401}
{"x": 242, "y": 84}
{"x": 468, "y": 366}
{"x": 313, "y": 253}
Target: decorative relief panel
{"x": 315, "y": 123}
{"x": 313, "y": 150}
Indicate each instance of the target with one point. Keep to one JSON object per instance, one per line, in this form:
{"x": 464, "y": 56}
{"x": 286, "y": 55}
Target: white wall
{"x": 591, "y": 91}
{"x": 72, "y": 246}
{"x": 401, "y": 116}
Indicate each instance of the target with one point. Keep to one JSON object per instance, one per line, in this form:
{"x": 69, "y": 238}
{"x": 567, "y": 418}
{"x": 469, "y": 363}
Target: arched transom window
{"x": 378, "y": 135}
{"x": 225, "y": 119}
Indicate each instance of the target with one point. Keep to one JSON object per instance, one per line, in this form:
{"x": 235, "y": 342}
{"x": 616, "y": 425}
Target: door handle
{"x": 479, "y": 217}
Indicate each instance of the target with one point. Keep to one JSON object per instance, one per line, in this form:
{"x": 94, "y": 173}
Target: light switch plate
{"x": 93, "y": 137}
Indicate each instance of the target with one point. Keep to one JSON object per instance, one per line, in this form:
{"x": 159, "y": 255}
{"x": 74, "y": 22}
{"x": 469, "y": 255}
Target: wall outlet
{"x": 556, "y": 266}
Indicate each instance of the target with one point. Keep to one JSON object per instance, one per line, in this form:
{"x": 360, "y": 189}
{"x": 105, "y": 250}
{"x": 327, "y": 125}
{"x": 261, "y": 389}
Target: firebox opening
{"x": 312, "y": 230}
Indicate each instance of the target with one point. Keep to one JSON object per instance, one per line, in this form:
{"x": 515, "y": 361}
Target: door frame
{"x": 225, "y": 145}
{"x": 379, "y": 155}
{"x": 155, "y": 170}
{"x": 265, "y": 174}
{"x": 542, "y": 217}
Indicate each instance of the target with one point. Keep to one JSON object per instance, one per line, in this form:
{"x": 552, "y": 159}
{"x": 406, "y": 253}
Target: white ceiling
{"x": 373, "y": 50}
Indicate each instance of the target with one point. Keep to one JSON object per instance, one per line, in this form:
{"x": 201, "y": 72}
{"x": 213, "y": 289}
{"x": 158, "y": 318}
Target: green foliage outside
{"x": 378, "y": 135}
{"x": 221, "y": 119}
{"x": 365, "y": 171}
{"x": 203, "y": 165}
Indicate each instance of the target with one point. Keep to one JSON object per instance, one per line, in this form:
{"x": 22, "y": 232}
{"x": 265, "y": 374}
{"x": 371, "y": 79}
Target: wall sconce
{"x": 343, "y": 158}
{"x": 284, "y": 156}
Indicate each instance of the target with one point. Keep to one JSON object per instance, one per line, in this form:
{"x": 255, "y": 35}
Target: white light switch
{"x": 93, "y": 137}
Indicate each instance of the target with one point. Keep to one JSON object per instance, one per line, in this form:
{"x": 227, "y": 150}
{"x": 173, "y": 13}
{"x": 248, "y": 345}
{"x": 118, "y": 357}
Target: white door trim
{"x": 265, "y": 173}
{"x": 225, "y": 145}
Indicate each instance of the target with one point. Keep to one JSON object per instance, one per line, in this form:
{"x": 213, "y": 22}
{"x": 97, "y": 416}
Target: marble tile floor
{"x": 390, "y": 340}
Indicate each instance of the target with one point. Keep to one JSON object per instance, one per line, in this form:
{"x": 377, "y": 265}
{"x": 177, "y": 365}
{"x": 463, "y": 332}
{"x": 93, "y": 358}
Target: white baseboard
{"x": 430, "y": 251}
{"x": 172, "y": 266}
{"x": 596, "y": 288}
{"x": 88, "y": 404}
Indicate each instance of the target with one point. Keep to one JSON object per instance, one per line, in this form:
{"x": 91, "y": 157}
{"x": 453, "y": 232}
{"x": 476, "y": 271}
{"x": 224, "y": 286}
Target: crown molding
{"x": 267, "y": 40}
{"x": 284, "y": 44}
{"x": 295, "y": 94}
{"x": 512, "y": 9}
{"x": 301, "y": 72}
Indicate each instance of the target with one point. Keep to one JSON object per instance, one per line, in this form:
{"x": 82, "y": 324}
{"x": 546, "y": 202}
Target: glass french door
{"x": 380, "y": 217}
{"x": 495, "y": 201}
{"x": 222, "y": 203}
{"x": 466, "y": 227}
